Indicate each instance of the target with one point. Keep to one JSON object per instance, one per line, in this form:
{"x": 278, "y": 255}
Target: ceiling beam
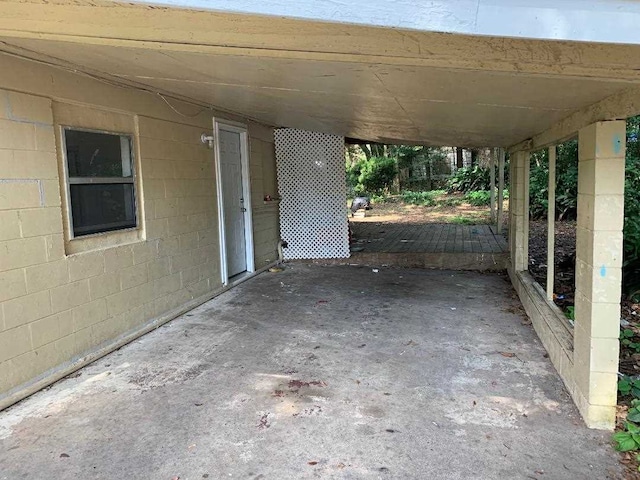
{"x": 618, "y": 106}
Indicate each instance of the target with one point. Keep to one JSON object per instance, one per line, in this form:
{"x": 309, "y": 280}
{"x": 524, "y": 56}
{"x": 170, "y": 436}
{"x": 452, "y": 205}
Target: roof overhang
{"x": 381, "y": 84}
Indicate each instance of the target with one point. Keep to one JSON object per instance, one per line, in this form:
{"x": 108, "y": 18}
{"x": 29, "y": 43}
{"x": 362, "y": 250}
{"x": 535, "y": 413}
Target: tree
{"x": 459, "y": 157}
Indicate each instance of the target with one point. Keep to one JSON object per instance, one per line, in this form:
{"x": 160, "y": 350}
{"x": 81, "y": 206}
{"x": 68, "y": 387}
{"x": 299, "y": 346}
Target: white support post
{"x": 599, "y": 269}
{"x": 501, "y": 155}
{"x": 519, "y": 210}
{"x": 492, "y": 185}
{"x": 525, "y": 193}
{"x": 551, "y": 223}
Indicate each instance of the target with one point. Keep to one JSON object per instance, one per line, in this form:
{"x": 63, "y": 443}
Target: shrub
{"x": 469, "y": 179}
{"x": 371, "y": 176}
{"x": 482, "y": 198}
{"x": 427, "y": 199}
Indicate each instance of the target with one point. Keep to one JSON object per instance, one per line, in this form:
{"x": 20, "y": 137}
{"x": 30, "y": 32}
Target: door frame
{"x": 230, "y": 126}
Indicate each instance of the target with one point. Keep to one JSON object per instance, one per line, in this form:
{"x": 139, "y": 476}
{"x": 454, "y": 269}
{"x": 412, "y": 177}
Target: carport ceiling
{"x": 440, "y": 90}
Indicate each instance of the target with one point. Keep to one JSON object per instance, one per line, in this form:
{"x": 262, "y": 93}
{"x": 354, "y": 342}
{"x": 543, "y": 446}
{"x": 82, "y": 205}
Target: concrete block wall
{"x": 63, "y": 300}
{"x": 586, "y": 356}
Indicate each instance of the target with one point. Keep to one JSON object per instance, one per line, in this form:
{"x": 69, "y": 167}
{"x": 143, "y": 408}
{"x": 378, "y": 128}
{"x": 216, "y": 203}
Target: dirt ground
{"x": 394, "y": 210}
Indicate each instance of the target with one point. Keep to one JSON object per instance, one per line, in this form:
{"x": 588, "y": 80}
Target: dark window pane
{"x": 102, "y": 207}
{"x": 92, "y": 154}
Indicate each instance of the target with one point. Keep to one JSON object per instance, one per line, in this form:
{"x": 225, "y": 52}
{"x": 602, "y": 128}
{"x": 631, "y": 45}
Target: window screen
{"x": 101, "y": 182}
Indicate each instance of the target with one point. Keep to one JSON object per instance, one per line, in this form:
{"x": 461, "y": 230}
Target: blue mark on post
{"x": 617, "y": 144}
{"x": 603, "y": 271}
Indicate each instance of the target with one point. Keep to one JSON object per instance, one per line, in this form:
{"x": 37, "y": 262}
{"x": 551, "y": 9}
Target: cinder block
{"x": 133, "y": 276}
{"x": 166, "y": 285}
{"x": 12, "y": 284}
{"x": 28, "y": 164}
{"x": 600, "y": 320}
{"x": 603, "y": 388}
{"x": 55, "y": 247}
{"x": 28, "y": 308}
{"x": 158, "y": 268}
{"x": 17, "y": 135}
{"x": 47, "y": 275}
{"x": 104, "y": 285}
{"x": 44, "y": 331}
{"x": 606, "y": 284}
{"x": 144, "y": 251}
{"x": 68, "y": 296}
{"x": 178, "y": 226}
{"x": 604, "y": 355}
{"x": 17, "y": 194}
{"x": 602, "y": 140}
{"x": 207, "y": 237}
{"x": 22, "y": 252}
{"x": 182, "y": 262}
{"x": 587, "y": 176}
{"x": 89, "y": 314}
{"x": 9, "y": 225}
{"x": 153, "y": 188}
{"x": 609, "y": 176}
{"x": 600, "y": 417}
{"x": 14, "y": 342}
{"x": 188, "y": 241}
{"x": 156, "y": 229}
{"x": 166, "y": 207}
{"x": 45, "y": 138}
{"x": 51, "y": 189}
{"x": 83, "y": 340}
{"x": 189, "y": 276}
{"x": 125, "y": 300}
{"x": 30, "y": 108}
{"x": 608, "y": 213}
{"x": 586, "y": 205}
{"x": 168, "y": 246}
{"x": 85, "y": 265}
{"x": 40, "y": 221}
{"x": 117, "y": 258}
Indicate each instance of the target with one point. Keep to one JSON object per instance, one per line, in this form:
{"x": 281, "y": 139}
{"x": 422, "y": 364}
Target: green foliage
{"x": 570, "y": 312}
{"x": 633, "y": 414}
{"x": 417, "y": 164}
{"x": 427, "y": 199}
{"x": 470, "y": 179}
{"x": 482, "y": 198}
{"x": 629, "y": 386}
{"x": 463, "y": 220}
{"x": 627, "y": 339}
{"x": 371, "y": 176}
{"x": 631, "y": 245}
{"x": 566, "y": 182}
{"x": 629, "y": 439}
{"x": 375, "y": 198}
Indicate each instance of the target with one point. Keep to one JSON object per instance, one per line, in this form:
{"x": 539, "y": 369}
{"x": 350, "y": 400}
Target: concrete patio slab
{"x": 318, "y": 372}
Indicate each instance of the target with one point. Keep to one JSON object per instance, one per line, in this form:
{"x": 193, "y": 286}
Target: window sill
{"x": 103, "y": 240}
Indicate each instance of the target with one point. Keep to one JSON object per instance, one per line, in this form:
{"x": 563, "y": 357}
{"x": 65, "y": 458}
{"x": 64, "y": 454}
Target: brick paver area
{"x": 427, "y": 238}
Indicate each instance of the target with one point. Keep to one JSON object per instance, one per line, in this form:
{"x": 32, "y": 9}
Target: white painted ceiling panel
{"x": 363, "y": 82}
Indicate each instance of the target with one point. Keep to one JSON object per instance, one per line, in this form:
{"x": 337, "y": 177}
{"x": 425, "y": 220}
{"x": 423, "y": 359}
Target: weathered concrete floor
{"x": 395, "y": 374}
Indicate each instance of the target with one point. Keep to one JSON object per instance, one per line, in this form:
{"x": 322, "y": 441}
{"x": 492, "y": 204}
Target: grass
{"x": 464, "y": 220}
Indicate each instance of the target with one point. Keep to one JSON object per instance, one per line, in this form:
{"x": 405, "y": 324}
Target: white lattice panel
{"x": 312, "y": 187}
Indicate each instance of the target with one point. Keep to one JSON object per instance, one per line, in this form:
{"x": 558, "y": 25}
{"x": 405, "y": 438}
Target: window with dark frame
{"x": 102, "y": 192}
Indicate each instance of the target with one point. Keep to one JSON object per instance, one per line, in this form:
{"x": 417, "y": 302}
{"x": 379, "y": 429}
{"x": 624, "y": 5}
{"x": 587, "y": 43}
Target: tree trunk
{"x": 459, "y": 157}
{"x": 367, "y": 151}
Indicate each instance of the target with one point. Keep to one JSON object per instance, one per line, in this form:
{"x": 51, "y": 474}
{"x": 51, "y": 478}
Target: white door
{"x": 233, "y": 201}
